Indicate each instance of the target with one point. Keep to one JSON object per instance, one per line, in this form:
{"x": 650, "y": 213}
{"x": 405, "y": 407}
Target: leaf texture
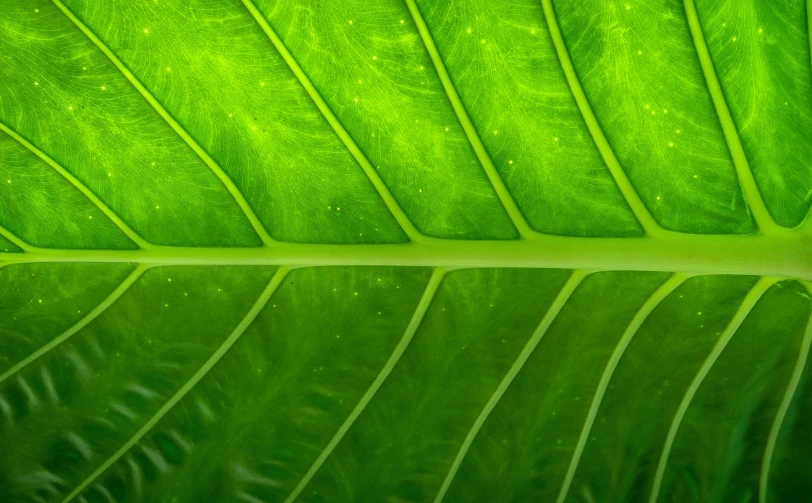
{"x": 417, "y": 250}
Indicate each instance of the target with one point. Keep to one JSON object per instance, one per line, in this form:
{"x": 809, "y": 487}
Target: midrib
{"x": 784, "y": 255}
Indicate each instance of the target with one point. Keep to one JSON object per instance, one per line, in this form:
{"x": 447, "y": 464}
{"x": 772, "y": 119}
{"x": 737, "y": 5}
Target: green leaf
{"x": 417, "y": 250}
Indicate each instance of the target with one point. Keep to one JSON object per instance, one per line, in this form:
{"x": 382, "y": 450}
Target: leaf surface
{"x": 283, "y": 250}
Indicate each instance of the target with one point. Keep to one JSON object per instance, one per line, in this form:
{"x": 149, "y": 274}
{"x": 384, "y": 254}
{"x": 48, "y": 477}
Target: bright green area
{"x": 372, "y": 69}
{"x": 764, "y": 67}
{"x": 159, "y": 100}
{"x": 43, "y": 210}
{"x": 108, "y": 136}
{"x": 218, "y": 123}
{"x": 639, "y": 69}
{"x": 228, "y": 87}
{"x": 509, "y": 77}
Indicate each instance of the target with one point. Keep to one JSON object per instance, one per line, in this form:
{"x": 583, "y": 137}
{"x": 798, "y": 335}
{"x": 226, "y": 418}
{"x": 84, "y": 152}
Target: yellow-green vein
{"x": 266, "y": 294}
{"x": 516, "y": 216}
{"x": 746, "y": 306}
{"x": 780, "y": 255}
{"x": 646, "y": 309}
{"x": 408, "y": 334}
{"x": 748, "y": 185}
{"x": 112, "y": 215}
{"x": 393, "y": 206}
{"x": 552, "y": 312}
{"x": 789, "y": 394}
{"x": 174, "y": 124}
{"x": 19, "y": 243}
{"x": 647, "y": 221}
{"x": 92, "y": 315}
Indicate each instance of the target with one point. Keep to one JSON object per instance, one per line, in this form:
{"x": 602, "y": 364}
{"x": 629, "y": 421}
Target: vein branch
{"x": 746, "y": 306}
{"x": 647, "y": 221}
{"x": 266, "y": 294}
{"x": 92, "y": 315}
{"x": 750, "y": 190}
{"x": 552, "y": 312}
{"x": 392, "y": 204}
{"x": 112, "y": 215}
{"x": 516, "y": 216}
{"x": 641, "y": 315}
{"x": 433, "y": 284}
{"x": 14, "y": 239}
{"x": 789, "y": 394}
{"x": 174, "y": 124}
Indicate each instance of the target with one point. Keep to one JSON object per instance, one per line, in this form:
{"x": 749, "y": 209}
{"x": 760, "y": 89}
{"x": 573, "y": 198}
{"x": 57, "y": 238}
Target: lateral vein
{"x": 394, "y": 208}
{"x": 658, "y": 296}
{"x": 433, "y": 284}
{"x": 647, "y": 221}
{"x": 750, "y": 189}
{"x": 746, "y": 306}
{"x": 92, "y": 315}
{"x": 789, "y": 394}
{"x": 174, "y": 124}
{"x": 14, "y": 239}
{"x": 266, "y": 294}
{"x": 516, "y": 216}
{"x": 552, "y": 312}
{"x": 112, "y": 215}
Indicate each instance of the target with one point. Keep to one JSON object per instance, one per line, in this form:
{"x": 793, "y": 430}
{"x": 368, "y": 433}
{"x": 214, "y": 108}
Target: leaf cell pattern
{"x": 408, "y": 251}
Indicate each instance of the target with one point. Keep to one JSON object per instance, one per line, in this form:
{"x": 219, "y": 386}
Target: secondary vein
{"x": 746, "y": 306}
{"x": 408, "y": 334}
{"x": 14, "y": 239}
{"x": 266, "y": 294}
{"x": 552, "y": 312}
{"x": 647, "y": 221}
{"x": 92, "y": 315}
{"x": 658, "y": 296}
{"x": 392, "y": 204}
{"x": 112, "y": 215}
{"x": 789, "y": 394}
{"x": 516, "y": 216}
{"x": 750, "y": 189}
{"x": 174, "y": 124}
